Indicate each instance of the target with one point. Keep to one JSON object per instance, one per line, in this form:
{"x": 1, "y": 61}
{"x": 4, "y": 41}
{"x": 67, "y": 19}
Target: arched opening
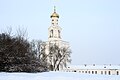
{"x": 101, "y": 72}
{"x": 95, "y": 72}
{"x": 89, "y": 72}
{"x": 105, "y": 72}
{"x": 109, "y": 73}
{"x": 82, "y": 71}
{"x": 92, "y": 72}
{"x": 117, "y": 72}
{"x": 51, "y": 33}
{"x": 59, "y": 34}
{"x": 52, "y": 23}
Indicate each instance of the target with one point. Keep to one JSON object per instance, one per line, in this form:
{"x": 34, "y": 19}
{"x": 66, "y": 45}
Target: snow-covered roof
{"x": 85, "y": 66}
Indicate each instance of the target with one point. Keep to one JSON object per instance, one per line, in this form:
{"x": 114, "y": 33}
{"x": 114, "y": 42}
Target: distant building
{"x": 95, "y": 69}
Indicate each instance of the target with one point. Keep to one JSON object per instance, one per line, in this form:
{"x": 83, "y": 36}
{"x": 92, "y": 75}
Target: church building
{"x": 54, "y": 35}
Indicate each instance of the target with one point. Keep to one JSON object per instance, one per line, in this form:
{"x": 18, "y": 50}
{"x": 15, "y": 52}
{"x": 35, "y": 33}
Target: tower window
{"x": 59, "y": 33}
{"x": 51, "y": 33}
{"x": 105, "y": 72}
{"x": 109, "y": 72}
{"x": 89, "y": 72}
{"x": 101, "y": 72}
{"x": 92, "y": 72}
{"x": 52, "y": 23}
{"x": 117, "y": 73}
{"x": 52, "y": 19}
{"x": 95, "y": 72}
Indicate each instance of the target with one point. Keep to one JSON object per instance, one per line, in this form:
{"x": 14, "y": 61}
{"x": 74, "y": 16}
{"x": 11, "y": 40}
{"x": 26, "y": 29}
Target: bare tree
{"x": 59, "y": 57}
{"x": 38, "y": 48}
{"x": 64, "y": 59}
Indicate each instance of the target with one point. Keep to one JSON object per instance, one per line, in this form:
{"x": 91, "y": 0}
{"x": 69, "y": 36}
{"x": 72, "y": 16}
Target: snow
{"x": 55, "y": 76}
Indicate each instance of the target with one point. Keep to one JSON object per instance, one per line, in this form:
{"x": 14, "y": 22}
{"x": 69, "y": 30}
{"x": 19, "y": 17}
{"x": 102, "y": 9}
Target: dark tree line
{"x": 16, "y": 55}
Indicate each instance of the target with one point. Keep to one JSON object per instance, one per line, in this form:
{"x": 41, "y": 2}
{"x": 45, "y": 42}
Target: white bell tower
{"x": 54, "y": 36}
{"x": 54, "y": 31}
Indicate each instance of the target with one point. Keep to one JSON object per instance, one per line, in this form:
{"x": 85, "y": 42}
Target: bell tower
{"x": 54, "y": 37}
{"x": 54, "y": 31}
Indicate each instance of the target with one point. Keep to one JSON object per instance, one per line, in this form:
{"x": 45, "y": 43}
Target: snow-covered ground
{"x": 55, "y": 76}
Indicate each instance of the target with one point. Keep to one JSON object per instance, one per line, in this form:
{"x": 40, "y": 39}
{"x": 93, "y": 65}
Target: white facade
{"x": 95, "y": 69}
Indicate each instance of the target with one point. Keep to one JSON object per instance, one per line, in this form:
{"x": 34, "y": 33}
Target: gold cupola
{"x": 54, "y": 14}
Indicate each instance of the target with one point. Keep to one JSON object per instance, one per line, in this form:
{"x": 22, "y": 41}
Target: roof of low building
{"x": 93, "y": 66}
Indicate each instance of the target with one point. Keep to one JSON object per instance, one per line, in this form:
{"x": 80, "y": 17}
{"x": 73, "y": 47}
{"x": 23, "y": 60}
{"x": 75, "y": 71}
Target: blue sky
{"x": 92, "y": 27}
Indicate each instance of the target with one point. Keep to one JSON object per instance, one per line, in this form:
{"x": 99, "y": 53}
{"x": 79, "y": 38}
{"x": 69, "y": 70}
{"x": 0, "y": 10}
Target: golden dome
{"x": 55, "y": 15}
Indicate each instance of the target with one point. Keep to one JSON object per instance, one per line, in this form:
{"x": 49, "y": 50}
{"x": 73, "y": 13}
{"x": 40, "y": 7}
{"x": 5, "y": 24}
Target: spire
{"x": 55, "y": 9}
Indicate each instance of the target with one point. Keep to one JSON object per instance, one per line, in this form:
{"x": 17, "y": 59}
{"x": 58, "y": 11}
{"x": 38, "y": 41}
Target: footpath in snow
{"x": 55, "y": 76}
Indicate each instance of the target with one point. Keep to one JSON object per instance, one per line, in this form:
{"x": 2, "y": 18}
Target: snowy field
{"x": 55, "y": 76}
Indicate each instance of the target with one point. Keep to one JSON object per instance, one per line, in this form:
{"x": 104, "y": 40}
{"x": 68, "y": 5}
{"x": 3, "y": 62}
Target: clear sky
{"x": 92, "y": 27}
